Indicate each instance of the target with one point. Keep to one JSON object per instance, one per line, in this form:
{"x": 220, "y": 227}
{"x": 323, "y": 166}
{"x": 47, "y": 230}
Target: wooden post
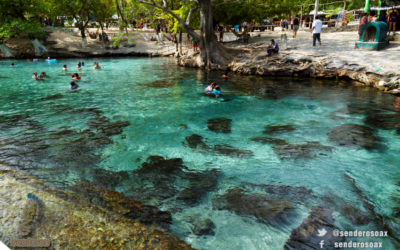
{"x": 316, "y": 9}
{"x": 301, "y": 17}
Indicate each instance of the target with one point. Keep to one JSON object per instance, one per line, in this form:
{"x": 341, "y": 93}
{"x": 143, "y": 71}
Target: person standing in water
{"x": 79, "y": 66}
{"x": 224, "y": 76}
{"x": 217, "y": 91}
{"x": 65, "y": 67}
{"x": 210, "y": 87}
{"x": 74, "y": 86}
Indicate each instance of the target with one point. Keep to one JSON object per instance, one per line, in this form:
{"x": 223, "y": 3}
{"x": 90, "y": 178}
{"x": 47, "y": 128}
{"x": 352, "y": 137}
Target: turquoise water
{"x": 161, "y": 118}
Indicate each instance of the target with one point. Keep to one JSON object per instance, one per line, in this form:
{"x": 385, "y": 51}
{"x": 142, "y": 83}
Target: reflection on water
{"x": 237, "y": 172}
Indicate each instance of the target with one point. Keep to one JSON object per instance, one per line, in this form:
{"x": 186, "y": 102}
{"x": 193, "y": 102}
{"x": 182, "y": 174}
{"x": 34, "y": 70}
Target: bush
{"x": 116, "y": 43}
{"x": 131, "y": 41}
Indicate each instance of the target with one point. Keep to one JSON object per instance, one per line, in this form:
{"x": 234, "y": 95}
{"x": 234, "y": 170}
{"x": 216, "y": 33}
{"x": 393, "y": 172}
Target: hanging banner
{"x": 382, "y": 8}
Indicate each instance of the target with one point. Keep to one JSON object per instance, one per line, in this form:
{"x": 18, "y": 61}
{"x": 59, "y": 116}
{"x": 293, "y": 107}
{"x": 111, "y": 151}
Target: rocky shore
{"x": 70, "y": 221}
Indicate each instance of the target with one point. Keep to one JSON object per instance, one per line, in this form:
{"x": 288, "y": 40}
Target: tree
{"x": 81, "y": 10}
{"x": 14, "y": 19}
{"x": 104, "y": 12}
{"x": 211, "y": 51}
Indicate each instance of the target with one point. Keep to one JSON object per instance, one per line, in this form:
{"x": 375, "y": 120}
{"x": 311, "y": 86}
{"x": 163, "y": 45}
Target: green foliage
{"x": 116, "y": 42}
{"x": 131, "y": 41}
{"x": 350, "y": 17}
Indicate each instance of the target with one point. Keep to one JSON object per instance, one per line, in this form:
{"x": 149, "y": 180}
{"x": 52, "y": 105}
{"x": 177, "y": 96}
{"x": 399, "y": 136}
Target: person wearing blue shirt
{"x": 382, "y": 17}
{"x": 273, "y": 47}
{"x": 217, "y": 91}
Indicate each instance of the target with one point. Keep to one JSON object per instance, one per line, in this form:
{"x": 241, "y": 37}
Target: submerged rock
{"x": 106, "y": 178}
{"x": 195, "y": 141}
{"x": 183, "y": 126}
{"x": 228, "y": 150}
{"x": 23, "y": 121}
{"x": 306, "y": 150}
{"x": 354, "y": 135}
{"x": 114, "y": 128}
{"x": 120, "y": 204}
{"x": 203, "y": 227}
{"x": 162, "y": 84}
{"x": 200, "y": 185}
{"x": 52, "y": 97}
{"x": 81, "y": 111}
{"x": 305, "y": 236}
{"x": 97, "y": 122}
{"x": 274, "y": 129}
{"x": 241, "y": 203}
{"x": 268, "y": 140}
{"x": 220, "y": 125}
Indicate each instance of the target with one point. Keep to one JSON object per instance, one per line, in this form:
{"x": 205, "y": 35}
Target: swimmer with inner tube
{"x": 75, "y": 76}
{"x": 65, "y": 67}
{"x": 217, "y": 91}
{"x": 224, "y": 76}
{"x": 210, "y": 87}
{"x": 74, "y": 86}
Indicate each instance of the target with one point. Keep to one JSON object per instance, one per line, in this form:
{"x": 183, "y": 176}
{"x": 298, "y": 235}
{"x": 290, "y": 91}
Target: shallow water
{"x": 162, "y": 117}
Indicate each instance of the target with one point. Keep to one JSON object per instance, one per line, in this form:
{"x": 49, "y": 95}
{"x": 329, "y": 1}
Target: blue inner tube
{"x": 51, "y": 60}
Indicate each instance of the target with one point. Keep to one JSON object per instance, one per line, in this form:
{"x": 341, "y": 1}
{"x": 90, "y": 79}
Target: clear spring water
{"x": 156, "y": 115}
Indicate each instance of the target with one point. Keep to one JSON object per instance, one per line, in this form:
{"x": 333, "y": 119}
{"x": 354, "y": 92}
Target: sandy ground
{"x": 338, "y": 45}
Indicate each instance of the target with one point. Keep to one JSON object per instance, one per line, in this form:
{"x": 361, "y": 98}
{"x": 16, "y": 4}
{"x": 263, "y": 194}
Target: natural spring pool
{"x": 280, "y": 138}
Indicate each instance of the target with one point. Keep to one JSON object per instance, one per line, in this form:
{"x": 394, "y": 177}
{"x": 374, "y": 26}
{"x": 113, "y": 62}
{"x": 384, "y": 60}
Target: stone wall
{"x": 340, "y": 29}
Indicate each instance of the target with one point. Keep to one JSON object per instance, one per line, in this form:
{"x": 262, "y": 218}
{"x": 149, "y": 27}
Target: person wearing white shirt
{"x": 316, "y": 30}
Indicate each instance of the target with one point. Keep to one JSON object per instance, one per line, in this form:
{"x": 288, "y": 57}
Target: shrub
{"x": 115, "y": 42}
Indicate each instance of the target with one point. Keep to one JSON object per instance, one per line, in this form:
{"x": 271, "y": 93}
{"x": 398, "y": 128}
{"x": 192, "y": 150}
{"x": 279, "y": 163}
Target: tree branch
{"x": 191, "y": 10}
{"x": 238, "y": 1}
{"x": 180, "y": 20}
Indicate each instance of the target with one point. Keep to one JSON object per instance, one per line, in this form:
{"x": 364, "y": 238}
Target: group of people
{"x": 390, "y": 18}
{"x": 42, "y": 76}
{"x": 213, "y": 88}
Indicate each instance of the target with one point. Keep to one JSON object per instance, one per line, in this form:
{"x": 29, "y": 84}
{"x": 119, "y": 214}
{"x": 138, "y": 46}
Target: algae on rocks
{"x": 71, "y": 222}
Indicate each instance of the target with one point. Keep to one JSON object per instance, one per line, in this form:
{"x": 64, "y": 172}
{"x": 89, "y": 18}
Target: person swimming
{"x": 35, "y": 76}
{"x": 74, "y": 86}
{"x": 12, "y": 64}
{"x": 65, "y": 67}
{"x": 97, "y": 66}
{"x": 217, "y": 91}
{"x": 210, "y": 87}
{"x": 79, "y": 66}
{"x": 83, "y": 63}
{"x": 224, "y": 76}
{"x": 75, "y": 76}
{"x": 44, "y": 74}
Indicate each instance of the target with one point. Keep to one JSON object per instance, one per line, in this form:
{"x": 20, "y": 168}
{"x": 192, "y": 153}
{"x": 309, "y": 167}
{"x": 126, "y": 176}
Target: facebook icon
{"x": 321, "y": 243}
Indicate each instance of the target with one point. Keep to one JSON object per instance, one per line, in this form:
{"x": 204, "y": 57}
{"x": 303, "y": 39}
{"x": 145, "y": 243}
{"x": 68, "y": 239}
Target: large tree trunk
{"x": 84, "y": 41}
{"x": 211, "y": 51}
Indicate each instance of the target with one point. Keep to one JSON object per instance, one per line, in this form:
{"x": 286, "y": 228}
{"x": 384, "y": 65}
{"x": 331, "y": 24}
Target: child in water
{"x": 79, "y": 66}
{"x": 75, "y": 76}
{"x": 44, "y": 74}
{"x": 74, "y": 86}
{"x": 210, "y": 87}
{"x": 217, "y": 91}
{"x": 65, "y": 67}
